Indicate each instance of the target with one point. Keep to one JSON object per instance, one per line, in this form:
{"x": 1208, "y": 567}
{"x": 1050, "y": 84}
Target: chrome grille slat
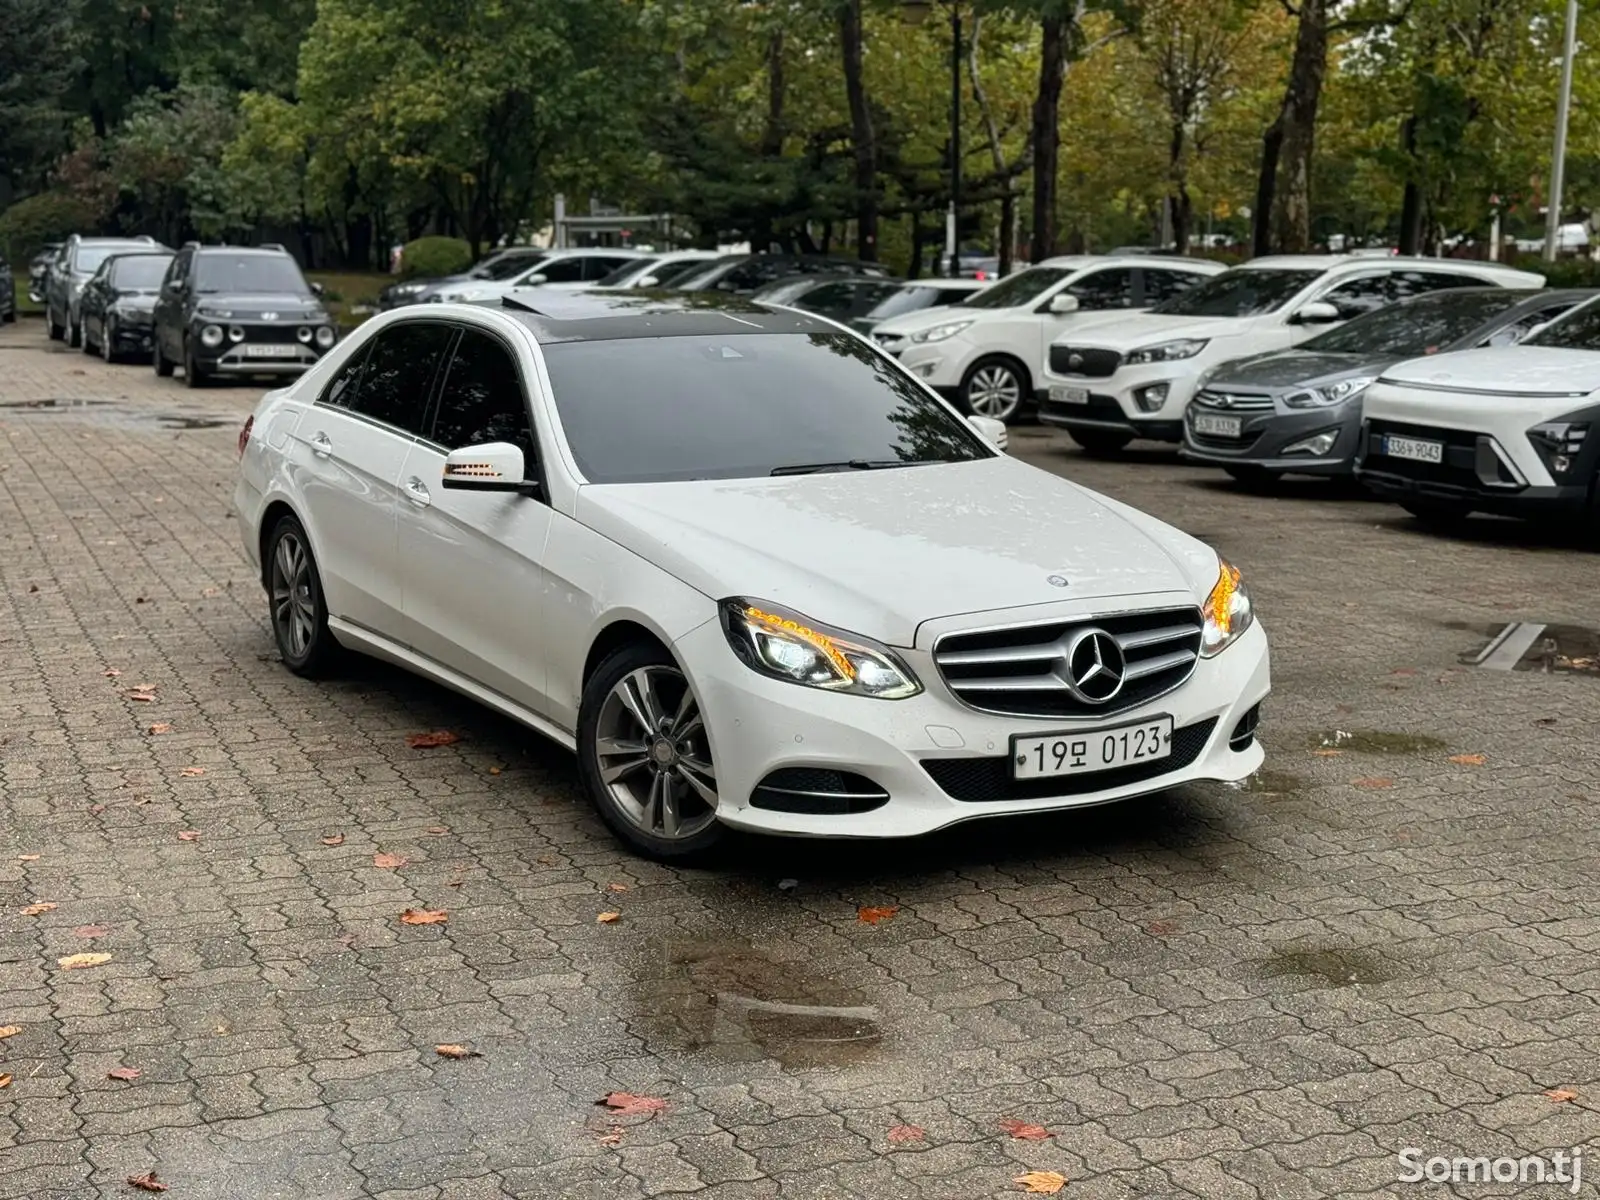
{"x": 1233, "y": 401}
{"x": 1022, "y": 670}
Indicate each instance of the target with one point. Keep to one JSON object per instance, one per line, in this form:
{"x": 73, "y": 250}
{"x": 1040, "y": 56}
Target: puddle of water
{"x": 172, "y": 422}
{"x": 734, "y": 1001}
{"x": 53, "y": 405}
{"x": 1376, "y": 741}
{"x": 1272, "y": 783}
{"x": 1334, "y": 966}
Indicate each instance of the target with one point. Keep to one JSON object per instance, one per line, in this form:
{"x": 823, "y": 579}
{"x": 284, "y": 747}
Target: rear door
{"x": 349, "y": 449}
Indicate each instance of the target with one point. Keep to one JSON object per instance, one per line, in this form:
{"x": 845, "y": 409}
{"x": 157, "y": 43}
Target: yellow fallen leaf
{"x": 192, "y": 772}
{"x": 451, "y": 1050}
{"x": 1041, "y": 1183}
{"x": 609, "y": 918}
{"x": 9, "y": 1031}
{"x": 73, "y": 961}
{"x": 424, "y": 916}
{"x": 5, "y": 1081}
{"x": 1468, "y": 760}
{"x": 27, "y": 858}
{"x": 871, "y": 916}
{"x": 1561, "y": 1095}
{"x": 33, "y": 910}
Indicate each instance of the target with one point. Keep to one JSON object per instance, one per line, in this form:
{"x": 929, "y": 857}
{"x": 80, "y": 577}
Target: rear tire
{"x": 194, "y": 375}
{"x": 296, "y": 606}
{"x": 1100, "y": 445}
{"x": 74, "y": 333}
{"x": 108, "y": 341}
{"x": 163, "y": 364}
{"x": 1438, "y": 514}
{"x": 57, "y": 332}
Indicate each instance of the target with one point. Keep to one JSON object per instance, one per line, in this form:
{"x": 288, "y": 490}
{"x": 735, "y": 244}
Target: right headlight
{"x": 940, "y": 332}
{"x": 1334, "y": 393}
{"x": 1227, "y": 612}
{"x": 785, "y": 645}
{"x": 1167, "y": 351}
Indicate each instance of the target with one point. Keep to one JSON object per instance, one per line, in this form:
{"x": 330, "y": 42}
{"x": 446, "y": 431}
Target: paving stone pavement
{"x": 1256, "y": 992}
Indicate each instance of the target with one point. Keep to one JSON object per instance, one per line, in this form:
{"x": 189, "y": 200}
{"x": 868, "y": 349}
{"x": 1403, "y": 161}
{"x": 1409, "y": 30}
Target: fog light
{"x": 1149, "y": 399}
{"x": 925, "y": 370}
{"x": 236, "y": 334}
{"x": 303, "y": 333}
{"x": 1317, "y": 444}
{"x": 212, "y": 336}
{"x": 325, "y": 336}
{"x": 1560, "y": 464}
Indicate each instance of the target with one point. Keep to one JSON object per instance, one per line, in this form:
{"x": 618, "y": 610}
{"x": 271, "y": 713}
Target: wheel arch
{"x": 274, "y": 512}
{"x": 621, "y": 631}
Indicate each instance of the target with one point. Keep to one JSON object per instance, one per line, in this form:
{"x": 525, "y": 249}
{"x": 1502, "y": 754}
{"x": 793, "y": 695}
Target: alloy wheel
{"x": 294, "y": 601}
{"x": 994, "y": 391}
{"x": 652, "y": 754}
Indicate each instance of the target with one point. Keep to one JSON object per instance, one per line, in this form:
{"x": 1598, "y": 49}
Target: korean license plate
{"x": 1218, "y": 426}
{"x": 1413, "y": 448}
{"x": 1069, "y": 395}
{"x": 1085, "y": 751}
{"x": 268, "y": 350}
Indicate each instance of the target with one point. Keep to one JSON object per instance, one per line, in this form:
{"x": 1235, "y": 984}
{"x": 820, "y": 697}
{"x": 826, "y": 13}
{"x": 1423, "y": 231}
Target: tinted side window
{"x": 599, "y": 268}
{"x": 1359, "y": 296}
{"x": 346, "y": 381}
{"x": 561, "y": 270}
{"x": 1104, "y": 289}
{"x": 1160, "y": 286}
{"x": 1510, "y": 335}
{"x": 1414, "y": 283}
{"x": 482, "y": 400}
{"x": 399, "y": 374}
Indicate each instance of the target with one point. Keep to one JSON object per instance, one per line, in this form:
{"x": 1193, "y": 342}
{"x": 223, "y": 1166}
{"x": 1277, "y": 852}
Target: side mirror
{"x": 647, "y": 282}
{"x": 1318, "y": 312}
{"x": 534, "y": 281}
{"x": 1062, "y": 303}
{"x": 491, "y": 467}
{"x": 317, "y": 289}
{"x": 992, "y": 431}
{"x": 174, "y": 287}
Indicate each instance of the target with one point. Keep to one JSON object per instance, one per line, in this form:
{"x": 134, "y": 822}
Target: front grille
{"x": 985, "y": 780}
{"x": 1238, "y": 445}
{"x": 1233, "y": 401}
{"x": 1091, "y": 363}
{"x": 817, "y": 790}
{"x": 1024, "y": 670}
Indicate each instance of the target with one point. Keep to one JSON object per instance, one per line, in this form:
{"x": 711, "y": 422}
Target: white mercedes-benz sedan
{"x": 743, "y": 563}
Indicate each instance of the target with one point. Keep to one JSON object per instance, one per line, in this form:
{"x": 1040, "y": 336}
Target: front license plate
{"x": 1081, "y": 752}
{"x": 1069, "y": 395}
{"x": 1218, "y": 426}
{"x": 268, "y": 350}
{"x": 1413, "y": 448}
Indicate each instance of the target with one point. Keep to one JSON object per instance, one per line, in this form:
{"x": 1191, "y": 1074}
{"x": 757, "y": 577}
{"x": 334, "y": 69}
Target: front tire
{"x": 108, "y": 340}
{"x": 1098, "y": 444}
{"x": 74, "y": 332}
{"x": 298, "y": 609}
{"x": 995, "y": 387}
{"x": 194, "y": 375}
{"x": 57, "y": 332}
{"x": 644, "y": 757}
{"x": 163, "y": 364}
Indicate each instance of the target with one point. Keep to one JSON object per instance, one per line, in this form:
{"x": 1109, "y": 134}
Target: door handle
{"x": 320, "y": 445}
{"x": 417, "y": 492}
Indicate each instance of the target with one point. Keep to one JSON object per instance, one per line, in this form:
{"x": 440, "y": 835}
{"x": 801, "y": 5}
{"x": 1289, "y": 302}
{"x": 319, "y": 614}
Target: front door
{"x": 471, "y": 560}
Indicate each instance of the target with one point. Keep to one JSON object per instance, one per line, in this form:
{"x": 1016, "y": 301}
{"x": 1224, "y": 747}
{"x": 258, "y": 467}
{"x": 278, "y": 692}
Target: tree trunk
{"x": 1291, "y": 209}
{"x": 1178, "y": 202}
{"x": 761, "y": 235}
{"x": 997, "y": 154}
{"x": 1266, "y": 190}
{"x": 914, "y": 267}
{"x": 1047, "y": 134}
{"x": 866, "y": 152}
{"x": 1411, "y": 202}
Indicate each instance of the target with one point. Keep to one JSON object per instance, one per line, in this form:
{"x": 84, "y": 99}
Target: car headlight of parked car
{"x": 210, "y": 312}
{"x": 785, "y": 645}
{"x": 1167, "y": 351}
{"x": 940, "y": 332}
{"x": 1227, "y": 611}
{"x": 1334, "y": 393}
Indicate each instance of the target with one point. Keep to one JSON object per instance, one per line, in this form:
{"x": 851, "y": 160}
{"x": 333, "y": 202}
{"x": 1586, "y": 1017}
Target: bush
{"x": 431, "y": 257}
{"x": 1564, "y": 272}
{"x": 48, "y": 217}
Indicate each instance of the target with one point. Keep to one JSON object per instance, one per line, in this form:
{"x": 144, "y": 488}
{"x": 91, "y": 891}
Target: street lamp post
{"x": 1558, "y": 165}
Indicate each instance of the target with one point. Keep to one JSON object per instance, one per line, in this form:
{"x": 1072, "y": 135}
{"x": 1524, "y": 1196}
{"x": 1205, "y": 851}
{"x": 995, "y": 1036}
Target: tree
{"x": 38, "y": 62}
{"x": 863, "y": 145}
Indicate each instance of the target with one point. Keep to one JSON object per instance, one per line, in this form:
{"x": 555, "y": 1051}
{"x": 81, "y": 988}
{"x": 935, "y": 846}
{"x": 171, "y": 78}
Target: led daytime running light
{"x": 820, "y": 640}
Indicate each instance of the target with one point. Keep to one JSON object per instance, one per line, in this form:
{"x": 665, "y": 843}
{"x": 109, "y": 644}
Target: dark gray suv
{"x": 74, "y": 265}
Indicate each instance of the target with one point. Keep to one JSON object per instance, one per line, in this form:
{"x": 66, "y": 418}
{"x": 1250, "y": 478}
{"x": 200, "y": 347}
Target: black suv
{"x": 238, "y": 310}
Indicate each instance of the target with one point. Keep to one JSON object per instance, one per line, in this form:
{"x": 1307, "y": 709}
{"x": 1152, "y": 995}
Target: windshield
{"x": 236, "y": 273}
{"x": 1239, "y": 294}
{"x": 695, "y": 280}
{"x": 140, "y": 272}
{"x": 905, "y": 300}
{"x": 1021, "y": 288}
{"x": 786, "y": 292}
{"x": 641, "y": 410}
{"x": 1422, "y": 326}
{"x": 506, "y": 266}
{"x": 1577, "y": 330}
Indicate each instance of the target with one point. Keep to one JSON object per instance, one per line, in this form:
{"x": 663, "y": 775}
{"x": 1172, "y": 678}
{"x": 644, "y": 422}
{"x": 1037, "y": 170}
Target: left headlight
{"x": 788, "y": 646}
{"x": 1167, "y": 351}
{"x": 940, "y": 332}
{"x": 1334, "y": 393}
{"x": 1227, "y": 612}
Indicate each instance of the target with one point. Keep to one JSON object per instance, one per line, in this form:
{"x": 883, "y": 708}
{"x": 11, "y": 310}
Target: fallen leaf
{"x": 192, "y": 772}
{"x": 453, "y": 883}
{"x": 27, "y": 858}
{"x": 616, "y": 887}
{"x": 427, "y": 741}
{"x": 389, "y": 861}
{"x": 613, "y": 1138}
{"x": 436, "y": 830}
{"x": 9, "y": 1031}
{"x": 33, "y": 910}
{"x": 424, "y": 916}
{"x": 450, "y": 1050}
{"x": 900, "y": 1134}
{"x": 147, "y": 1182}
{"x": 1546, "y": 721}
{"x": 210, "y": 591}
{"x": 90, "y": 931}
{"x": 1326, "y": 753}
{"x": 545, "y": 859}
{"x": 97, "y": 809}
{"x": 160, "y": 727}
{"x": 1023, "y": 1131}
{"x": 1561, "y": 1095}
{"x": 1161, "y": 928}
{"x": 1404, "y": 671}
{"x": 871, "y": 916}
{"x": 5, "y": 1081}
{"x": 144, "y": 693}
{"x": 333, "y": 839}
{"x": 494, "y": 770}
{"x": 112, "y": 672}
{"x": 1469, "y": 760}
{"x": 127, "y": 1074}
{"x": 609, "y": 918}
{"x": 189, "y": 835}
{"x": 74, "y": 961}
{"x": 630, "y": 1105}
{"x": 1372, "y": 782}
{"x": 1042, "y": 1183}
{"x": 32, "y": 588}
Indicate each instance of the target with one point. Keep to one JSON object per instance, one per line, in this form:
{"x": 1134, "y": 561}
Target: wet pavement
{"x": 1389, "y": 938}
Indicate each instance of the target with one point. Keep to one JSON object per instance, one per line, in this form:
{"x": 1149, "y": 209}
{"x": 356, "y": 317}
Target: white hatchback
{"x": 751, "y": 570}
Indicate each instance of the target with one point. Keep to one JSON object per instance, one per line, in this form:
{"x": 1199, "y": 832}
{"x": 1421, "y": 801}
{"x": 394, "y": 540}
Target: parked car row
{"x": 212, "y": 310}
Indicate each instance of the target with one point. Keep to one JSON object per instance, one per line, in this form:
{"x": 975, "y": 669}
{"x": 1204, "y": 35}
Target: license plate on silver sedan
{"x": 1081, "y": 752}
{"x": 1069, "y": 395}
{"x": 268, "y": 350}
{"x": 1416, "y": 449}
{"x": 1216, "y": 426}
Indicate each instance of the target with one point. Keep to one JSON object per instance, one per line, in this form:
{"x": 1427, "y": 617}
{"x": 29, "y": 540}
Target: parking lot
{"x": 1389, "y": 938}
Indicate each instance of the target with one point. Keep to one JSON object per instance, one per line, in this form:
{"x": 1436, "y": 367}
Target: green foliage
{"x": 1565, "y": 272}
{"x": 432, "y": 257}
{"x": 48, "y": 217}
{"x": 38, "y": 61}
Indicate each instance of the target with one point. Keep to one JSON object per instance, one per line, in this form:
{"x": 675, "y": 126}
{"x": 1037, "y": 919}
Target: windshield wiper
{"x": 849, "y": 464}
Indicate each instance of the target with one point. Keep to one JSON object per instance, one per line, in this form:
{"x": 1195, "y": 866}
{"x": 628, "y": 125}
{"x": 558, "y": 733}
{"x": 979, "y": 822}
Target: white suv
{"x": 987, "y": 354}
{"x": 558, "y": 266}
{"x": 1115, "y": 379}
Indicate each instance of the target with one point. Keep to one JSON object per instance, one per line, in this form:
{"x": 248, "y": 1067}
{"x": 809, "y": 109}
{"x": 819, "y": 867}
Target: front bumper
{"x": 1265, "y": 434}
{"x": 273, "y": 349}
{"x": 1476, "y": 474}
{"x": 1103, "y": 414}
{"x": 939, "y": 364}
{"x": 130, "y": 334}
{"x": 940, "y": 762}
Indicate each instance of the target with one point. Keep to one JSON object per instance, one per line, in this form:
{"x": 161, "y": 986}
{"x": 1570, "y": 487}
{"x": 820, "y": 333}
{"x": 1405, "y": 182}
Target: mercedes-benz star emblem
{"x": 1057, "y": 580}
{"x": 1095, "y": 666}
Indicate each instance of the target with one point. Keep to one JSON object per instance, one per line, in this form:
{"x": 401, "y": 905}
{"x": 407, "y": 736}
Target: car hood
{"x": 245, "y": 306}
{"x": 140, "y": 301}
{"x": 1285, "y": 369}
{"x": 1131, "y": 330}
{"x": 881, "y": 552}
{"x": 916, "y": 322}
{"x": 1507, "y": 370}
